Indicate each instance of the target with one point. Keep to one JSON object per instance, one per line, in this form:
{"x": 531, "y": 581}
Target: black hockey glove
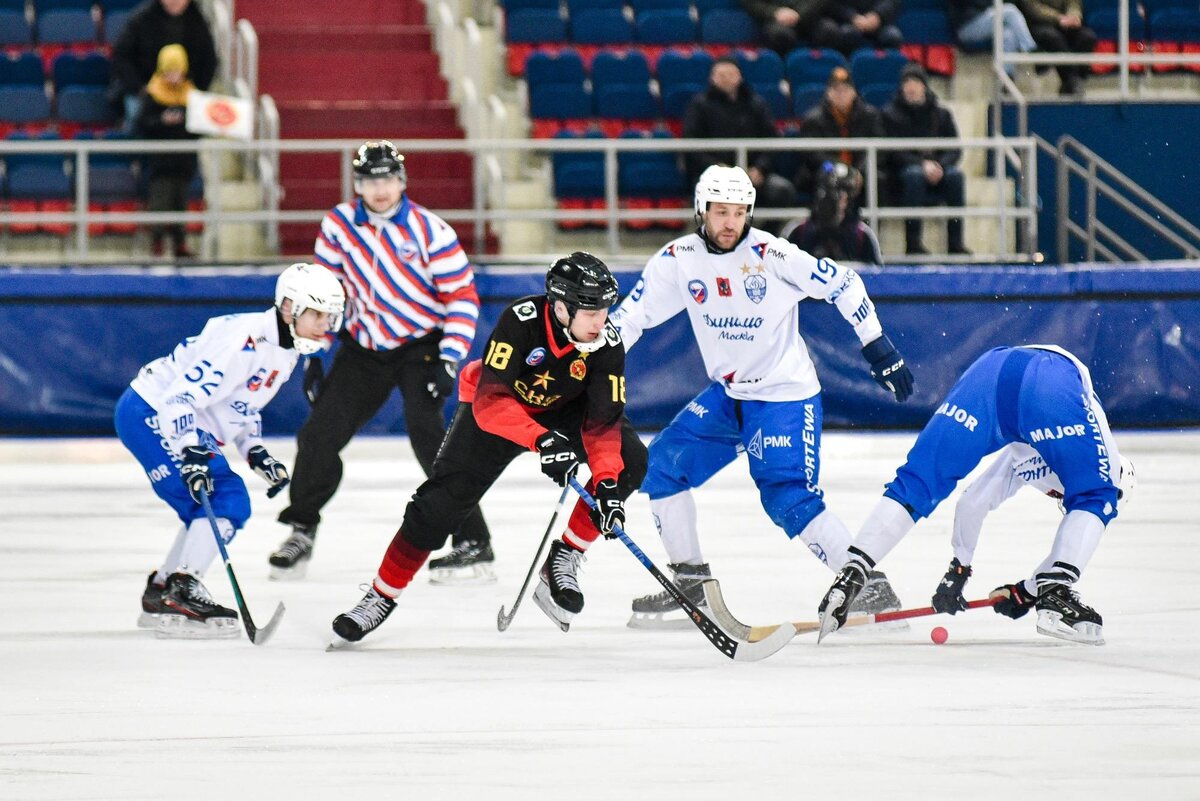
{"x": 558, "y": 457}
{"x": 442, "y": 379}
{"x": 314, "y": 374}
{"x": 948, "y": 598}
{"x": 610, "y": 509}
{"x": 272, "y": 471}
{"x": 1014, "y": 600}
{"x": 888, "y": 368}
{"x": 195, "y": 472}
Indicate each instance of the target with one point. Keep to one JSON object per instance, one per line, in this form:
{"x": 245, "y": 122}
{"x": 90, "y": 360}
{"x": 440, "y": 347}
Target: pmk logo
{"x": 699, "y": 290}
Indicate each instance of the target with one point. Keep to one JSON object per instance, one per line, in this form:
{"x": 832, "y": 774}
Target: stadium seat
{"x": 704, "y": 6}
{"x": 80, "y": 69}
{"x": 565, "y": 66}
{"x": 575, "y": 6}
{"x": 677, "y": 97}
{"x": 626, "y": 101}
{"x": 806, "y": 96}
{"x": 84, "y": 105}
{"x": 728, "y": 26}
{"x": 1105, "y": 23}
{"x": 62, "y": 5}
{"x": 114, "y": 23}
{"x": 640, "y": 6}
{"x": 666, "y": 26}
{"x": 613, "y": 67}
{"x": 599, "y": 26}
{"x": 39, "y": 181}
{"x": 877, "y": 94}
{"x": 111, "y": 6}
{"x": 644, "y": 177}
{"x": 676, "y": 67}
{"x": 777, "y": 99}
{"x": 66, "y": 27}
{"x": 804, "y": 66}
{"x": 559, "y": 101}
{"x": 15, "y": 30}
{"x": 877, "y": 67}
{"x": 513, "y": 6}
{"x": 535, "y": 26}
{"x": 24, "y": 105}
{"x": 578, "y": 174}
{"x": 1175, "y": 30}
{"x": 759, "y": 66}
{"x": 22, "y": 70}
{"x": 939, "y": 6}
{"x": 925, "y": 27}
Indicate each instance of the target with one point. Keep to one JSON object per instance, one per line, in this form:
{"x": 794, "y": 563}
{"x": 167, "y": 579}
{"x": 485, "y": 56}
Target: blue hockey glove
{"x": 558, "y": 457}
{"x": 948, "y": 598}
{"x": 272, "y": 471}
{"x": 888, "y": 368}
{"x": 314, "y": 374}
{"x": 195, "y": 472}
{"x": 1014, "y": 600}
{"x": 610, "y": 509}
{"x": 441, "y": 382}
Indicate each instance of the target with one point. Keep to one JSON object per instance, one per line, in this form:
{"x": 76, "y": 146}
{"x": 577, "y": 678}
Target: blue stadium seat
{"x": 84, "y": 105}
{"x": 15, "y": 30}
{"x": 666, "y": 26}
{"x": 728, "y": 26}
{"x": 806, "y": 66}
{"x": 43, "y": 6}
{"x": 110, "y": 6}
{"x": 114, "y": 23}
{"x": 781, "y": 106}
{"x": 806, "y": 97}
{"x": 649, "y": 174}
{"x": 24, "y": 104}
{"x": 877, "y": 66}
{"x": 759, "y": 66}
{"x": 513, "y": 6}
{"x": 559, "y": 101}
{"x": 925, "y": 27}
{"x": 940, "y": 6}
{"x": 74, "y": 69}
{"x": 877, "y": 94}
{"x": 1175, "y": 25}
{"x": 13, "y": 5}
{"x": 566, "y": 66}
{"x": 575, "y": 6}
{"x": 675, "y": 67}
{"x": 704, "y": 6}
{"x": 598, "y": 26}
{"x": 614, "y": 67}
{"x": 578, "y": 175}
{"x": 24, "y": 69}
{"x": 659, "y": 5}
{"x": 111, "y": 176}
{"x": 677, "y": 96}
{"x": 1105, "y": 23}
{"x": 535, "y": 26}
{"x": 14, "y": 160}
{"x": 626, "y": 101}
{"x": 39, "y": 182}
{"x": 1154, "y": 6}
{"x": 67, "y": 26}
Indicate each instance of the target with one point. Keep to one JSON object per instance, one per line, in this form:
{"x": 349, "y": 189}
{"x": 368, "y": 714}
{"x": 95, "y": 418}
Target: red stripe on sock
{"x": 401, "y": 562}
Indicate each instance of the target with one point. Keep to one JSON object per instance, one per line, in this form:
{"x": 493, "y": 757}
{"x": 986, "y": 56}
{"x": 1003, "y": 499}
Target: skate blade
{"x": 294, "y": 573}
{"x": 829, "y": 623}
{"x": 148, "y": 620}
{"x": 561, "y": 617}
{"x": 1051, "y": 624}
{"x": 660, "y": 621}
{"x": 472, "y": 575}
{"x": 178, "y": 627}
{"x": 338, "y": 643}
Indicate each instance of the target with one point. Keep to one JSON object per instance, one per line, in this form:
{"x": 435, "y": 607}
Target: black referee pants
{"x": 358, "y": 384}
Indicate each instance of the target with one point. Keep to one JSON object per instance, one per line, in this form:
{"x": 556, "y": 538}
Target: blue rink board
{"x": 73, "y": 338}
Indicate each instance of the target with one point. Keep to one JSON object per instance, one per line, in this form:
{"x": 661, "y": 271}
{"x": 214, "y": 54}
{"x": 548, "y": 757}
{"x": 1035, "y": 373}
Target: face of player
{"x": 312, "y": 324}
{"x": 724, "y": 223}
{"x": 380, "y": 194}
{"x": 587, "y": 326}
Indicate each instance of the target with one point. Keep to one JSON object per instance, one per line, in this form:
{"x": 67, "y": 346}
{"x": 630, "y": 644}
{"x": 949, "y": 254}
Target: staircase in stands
{"x": 357, "y": 69}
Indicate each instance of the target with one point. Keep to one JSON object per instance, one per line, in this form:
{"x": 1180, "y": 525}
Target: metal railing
{"x": 1008, "y": 218}
{"x": 1103, "y": 180}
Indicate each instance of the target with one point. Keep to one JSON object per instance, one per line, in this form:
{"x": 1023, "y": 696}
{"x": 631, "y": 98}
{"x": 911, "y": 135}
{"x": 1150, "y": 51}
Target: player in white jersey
{"x": 741, "y": 288}
{"x": 209, "y": 392}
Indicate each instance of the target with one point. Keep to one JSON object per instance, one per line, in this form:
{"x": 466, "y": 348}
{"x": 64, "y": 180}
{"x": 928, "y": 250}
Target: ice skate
{"x": 468, "y": 562}
{"x": 350, "y": 627}
{"x": 878, "y": 596}
{"x": 837, "y": 601}
{"x": 558, "y": 593}
{"x": 1061, "y": 614}
{"x": 152, "y": 603}
{"x": 189, "y": 612}
{"x": 660, "y": 610}
{"x": 291, "y": 560}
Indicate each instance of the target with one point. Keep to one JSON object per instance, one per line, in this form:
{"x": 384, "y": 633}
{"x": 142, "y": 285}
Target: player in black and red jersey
{"x": 552, "y": 380}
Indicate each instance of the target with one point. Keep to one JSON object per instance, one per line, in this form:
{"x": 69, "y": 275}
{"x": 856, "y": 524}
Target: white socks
{"x": 828, "y": 538}
{"x": 885, "y": 526}
{"x": 196, "y": 549}
{"x": 675, "y": 518}
{"x": 1076, "y": 540}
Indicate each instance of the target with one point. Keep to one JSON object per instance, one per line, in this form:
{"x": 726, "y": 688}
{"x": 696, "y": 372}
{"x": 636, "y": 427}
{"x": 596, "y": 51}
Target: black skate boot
{"x": 660, "y": 611}
{"x": 468, "y": 562}
{"x": 368, "y": 615}
{"x": 189, "y": 612}
{"x": 152, "y": 602}
{"x": 1061, "y": 614}
{"x": 558, "y": 593}
{"x": 291, "y": 560}
{"x": 841, "y": 595}
{"x": 878, "y": 596}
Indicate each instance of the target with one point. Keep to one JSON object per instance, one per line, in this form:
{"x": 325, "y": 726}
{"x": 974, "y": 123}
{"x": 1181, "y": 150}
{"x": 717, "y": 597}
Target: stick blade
{"x": 260, "y": 635}
{"x": 754, "y": 651}
{"x": 503, "y": 620}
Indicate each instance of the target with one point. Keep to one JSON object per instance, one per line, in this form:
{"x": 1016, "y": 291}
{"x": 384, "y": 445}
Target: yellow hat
{"x": 173, "y": 58}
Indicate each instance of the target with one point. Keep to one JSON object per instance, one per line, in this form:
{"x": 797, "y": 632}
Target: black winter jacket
{"x": 712, "y": 115}
{"x": 864, "y": 121}
{"x": 149, "y": 29}
{"x": 928, "y": 120}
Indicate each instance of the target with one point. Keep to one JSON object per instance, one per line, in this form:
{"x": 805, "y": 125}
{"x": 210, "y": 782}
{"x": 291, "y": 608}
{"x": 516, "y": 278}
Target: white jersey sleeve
{"x": 825, "y": 279}
{"x": 655, "y": 299}
{"x": 1015, "y": 466}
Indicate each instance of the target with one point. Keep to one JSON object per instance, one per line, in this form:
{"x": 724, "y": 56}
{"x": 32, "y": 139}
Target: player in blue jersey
{"x": 209, "y": 392}
{"x": 1039, "y": 395}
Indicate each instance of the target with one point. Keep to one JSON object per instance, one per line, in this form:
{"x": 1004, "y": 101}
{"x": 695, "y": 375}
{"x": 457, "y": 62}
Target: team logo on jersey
{"x": 670, "y": 251}
{"x": 723, "y": 287}
{"x": 756, "y": 445}
{"x": 408, "y": 250}
{"x": 525, "y": 311}
{"x": 754, "y": 282}
{"x": 759, "y": 249}
{"x": 578, "y": 369}
{"x": 249, "y": 344}
{"x": 535, "y": 357}
{"x": 611, "y": 335}
{"x": 699, "y": 290}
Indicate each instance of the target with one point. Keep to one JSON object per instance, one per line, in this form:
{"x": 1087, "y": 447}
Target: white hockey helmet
{"x": 310, "y": 286}
{"x": 1126, "y": 484}
{"x": 720, "y": 184}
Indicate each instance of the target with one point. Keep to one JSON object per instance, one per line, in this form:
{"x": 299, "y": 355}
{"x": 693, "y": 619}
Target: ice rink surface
{"x": 438, "y": 705}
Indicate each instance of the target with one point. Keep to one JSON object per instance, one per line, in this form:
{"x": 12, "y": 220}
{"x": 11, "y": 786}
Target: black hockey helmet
{"x": 581, "y": 281}
{"x": 376, "y": 159}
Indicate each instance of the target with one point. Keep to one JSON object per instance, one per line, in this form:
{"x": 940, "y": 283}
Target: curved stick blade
{"x": 259, "y": 636}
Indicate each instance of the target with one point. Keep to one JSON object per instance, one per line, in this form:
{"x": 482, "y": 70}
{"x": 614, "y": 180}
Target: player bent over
{"x": 179, "y": 411}
{"x": 741, "y": 288}
{"x": 552, "y": 380}
{"x": 1038, "y": 395}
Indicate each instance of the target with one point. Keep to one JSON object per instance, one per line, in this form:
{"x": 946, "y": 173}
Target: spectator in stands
{"x": 152, "y": 26}
{"x": 924, "y": 177}
{"x": 163, "y": 108}
{"x": 785, "y": 23}
{"x": 833, "y": 229}
{"x": 846, "y": 26}
{"x": 1057, "y": 26}
{"x": 730, "y": 109}
{"x": 842, "y": 114}
{"x": 971, "y": 21}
